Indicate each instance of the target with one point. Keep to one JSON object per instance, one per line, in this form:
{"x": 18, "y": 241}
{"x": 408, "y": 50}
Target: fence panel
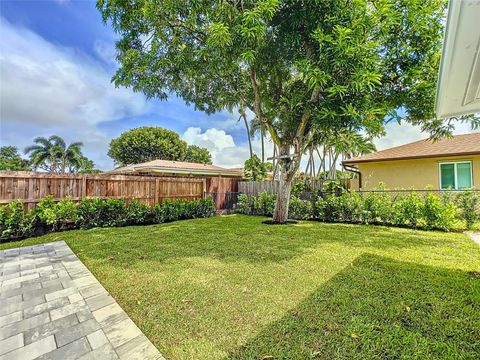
{"x": 253, "y": 188}
{"x": 29, "y": 188}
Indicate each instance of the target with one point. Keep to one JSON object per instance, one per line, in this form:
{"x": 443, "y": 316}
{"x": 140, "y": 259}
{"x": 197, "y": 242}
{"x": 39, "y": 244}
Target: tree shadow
{"x": 379, "y": 308}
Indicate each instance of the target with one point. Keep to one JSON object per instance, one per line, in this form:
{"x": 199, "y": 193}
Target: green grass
{"x": 232, "y": 287}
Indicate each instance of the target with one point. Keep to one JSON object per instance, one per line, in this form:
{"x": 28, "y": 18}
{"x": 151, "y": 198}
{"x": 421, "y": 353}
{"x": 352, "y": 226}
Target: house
{"x": 451, "y": 163}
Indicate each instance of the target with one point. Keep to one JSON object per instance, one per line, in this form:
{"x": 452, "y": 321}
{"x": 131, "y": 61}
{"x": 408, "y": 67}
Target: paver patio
{"x": 52, "y": 307}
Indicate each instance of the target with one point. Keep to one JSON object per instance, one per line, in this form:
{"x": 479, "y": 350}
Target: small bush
{"x": 137, "y": 213}
{"x": 172, "y": 210}
{"x": 469, "y": 204}
{"x": 98, "y": 212}
{"x": 264, "y": 204}
{"x": 438, "y": 215}
{"x": 300, "y": 209}
{"x": 14, "y": 222}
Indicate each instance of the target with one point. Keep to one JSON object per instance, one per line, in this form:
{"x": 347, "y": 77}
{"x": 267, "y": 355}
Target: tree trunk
{"x": 248, "y": 135}
{"x": 288, "y": 166}
{"x": 262, "y": 134}
{"x": 283, "y": 199}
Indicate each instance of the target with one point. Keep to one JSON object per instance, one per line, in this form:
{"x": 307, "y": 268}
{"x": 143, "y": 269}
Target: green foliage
{"x": 150, "y": 143}
{"x": 438, "y": 215}
{"x": 300, "y": 209}
{"x": 468, "y": 202}
{"x": 408, "y": 210}
{"x": 10, "y": 160}
{"x": 53, "y": 155}
{"x": 94, "y": 212}
{"x": 298, "y": 188}
{"x": 173, "y": 210}
{"x": 254, "y": 169}
{"x": 137, "y": 213}
{"x": 411, "y": 210}
{"x": 57, "y": 214}
{"x": 98, "y": 212}
{"x": 197, "y": 154}
{"x": 14, "y": 222}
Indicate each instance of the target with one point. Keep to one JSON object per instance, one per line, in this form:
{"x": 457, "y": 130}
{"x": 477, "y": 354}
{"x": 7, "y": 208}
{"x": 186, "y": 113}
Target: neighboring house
{"x": 218, "y": 181}
{"x": 452, "y": 163}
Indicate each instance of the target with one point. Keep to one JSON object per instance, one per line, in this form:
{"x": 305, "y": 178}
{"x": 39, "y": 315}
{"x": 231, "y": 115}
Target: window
{"x": 456, "y": 175}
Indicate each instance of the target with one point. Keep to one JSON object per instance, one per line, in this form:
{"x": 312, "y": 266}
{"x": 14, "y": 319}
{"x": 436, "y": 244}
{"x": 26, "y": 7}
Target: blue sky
{"x": 56, "y": 61}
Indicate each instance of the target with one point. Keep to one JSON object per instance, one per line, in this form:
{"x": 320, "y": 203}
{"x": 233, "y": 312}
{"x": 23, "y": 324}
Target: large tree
{"x": 11, "y": 160}
{"x": 301, "y": 67}
{"x": 150, "y": 143}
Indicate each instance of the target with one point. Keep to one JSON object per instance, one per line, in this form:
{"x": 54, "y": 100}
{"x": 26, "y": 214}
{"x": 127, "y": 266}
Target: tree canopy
{"x": 302, "y": 67}
{"x": 150, "y": 143}
{"x": 11, "y": 160}
{"x": 55, "y": 156}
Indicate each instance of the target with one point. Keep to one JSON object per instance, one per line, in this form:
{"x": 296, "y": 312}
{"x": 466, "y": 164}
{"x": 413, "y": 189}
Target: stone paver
{"x": 52, "y": 307}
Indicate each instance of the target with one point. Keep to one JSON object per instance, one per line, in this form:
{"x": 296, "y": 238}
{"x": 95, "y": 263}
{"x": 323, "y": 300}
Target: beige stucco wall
{"x": 417, "y": 173}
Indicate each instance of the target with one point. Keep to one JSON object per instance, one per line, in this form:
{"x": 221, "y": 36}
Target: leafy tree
{"x": 145, "y": 144}
{"x": 53, "y": 154}
{"x": 150, "y": 143}
{"x": 302, "y": 67}
{"x": 254, "y": 169}
{"x": 11, "y": 160}
{"x": 198, "y": 154}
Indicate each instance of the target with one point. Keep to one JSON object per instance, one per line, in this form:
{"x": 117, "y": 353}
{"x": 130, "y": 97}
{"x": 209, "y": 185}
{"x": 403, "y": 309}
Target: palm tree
{"x": 53, "y": 155}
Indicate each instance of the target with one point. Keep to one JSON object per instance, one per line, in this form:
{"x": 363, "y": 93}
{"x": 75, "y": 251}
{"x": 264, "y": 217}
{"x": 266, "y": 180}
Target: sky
{"x": 57, "y": 58}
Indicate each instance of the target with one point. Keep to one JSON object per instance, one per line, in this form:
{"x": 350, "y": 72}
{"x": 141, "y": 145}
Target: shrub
{"x": 438, "y": 215}
{"x": 57, "y": 214}
{"x": 469, "y": 204}
{"x": 244, "y": 204}
{"x": 377, "y": 207}
{"x": 172, "y": 210}
{"x": 98, "y": 212}
{"x": 14, "y": 222}
{"x": 137, "y": 213}
{"x": 431, "y": 212}
{"x": 300, "y": 209}
{"x": 264, "y": 204}
{"x": 46, "y": 211}
{"x": 408, "y": 210}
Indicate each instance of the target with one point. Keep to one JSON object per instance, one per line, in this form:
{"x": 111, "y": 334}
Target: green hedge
{"x": 430, "y": 211}
{"x": 94, "y": 212}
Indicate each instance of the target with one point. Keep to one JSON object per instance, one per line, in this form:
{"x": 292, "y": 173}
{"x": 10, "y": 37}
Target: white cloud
{"x": 223, "y": 148}
{"x": 46, "y": 89}
{"x": 48, "y": 84}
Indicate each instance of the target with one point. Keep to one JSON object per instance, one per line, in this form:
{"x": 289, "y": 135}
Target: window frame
{"x": 455, "y": 173}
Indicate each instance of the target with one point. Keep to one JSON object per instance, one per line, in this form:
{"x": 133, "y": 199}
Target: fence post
{"x": 204, "y": 182}
{"x": 83, "y": 194}
{"x": 157, "y": 191}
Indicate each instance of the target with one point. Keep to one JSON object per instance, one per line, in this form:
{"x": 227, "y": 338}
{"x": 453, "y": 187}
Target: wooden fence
{"x": 253, "y": 188}
{"x": 31, "y": 187}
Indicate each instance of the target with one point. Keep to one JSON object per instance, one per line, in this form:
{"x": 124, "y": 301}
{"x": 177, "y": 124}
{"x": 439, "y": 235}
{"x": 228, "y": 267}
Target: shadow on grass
{"x": 379, "y": 308}
{"x": 233, "y": 238}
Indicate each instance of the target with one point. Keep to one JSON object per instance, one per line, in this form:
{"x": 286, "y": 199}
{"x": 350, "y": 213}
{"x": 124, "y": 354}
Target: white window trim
{"x": 455, "y": 172}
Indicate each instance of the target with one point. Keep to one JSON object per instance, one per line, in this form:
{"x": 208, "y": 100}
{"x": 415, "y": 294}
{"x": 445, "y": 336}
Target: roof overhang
{"x": 197, "y": 172}
{"x": 458, "y": 87}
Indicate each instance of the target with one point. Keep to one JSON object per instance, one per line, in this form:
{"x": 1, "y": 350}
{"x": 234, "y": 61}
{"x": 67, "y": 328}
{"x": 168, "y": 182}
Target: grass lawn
{"x": 232, "y": 287}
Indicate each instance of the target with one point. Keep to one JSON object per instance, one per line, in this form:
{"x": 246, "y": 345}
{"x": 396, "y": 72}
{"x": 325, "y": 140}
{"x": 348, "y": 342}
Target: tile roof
{"x": 466, "y": 144}
{"x": 183, "y": 167}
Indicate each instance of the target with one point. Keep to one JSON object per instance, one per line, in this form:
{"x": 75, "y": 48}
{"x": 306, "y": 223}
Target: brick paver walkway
{"x": 52, "y": 307}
